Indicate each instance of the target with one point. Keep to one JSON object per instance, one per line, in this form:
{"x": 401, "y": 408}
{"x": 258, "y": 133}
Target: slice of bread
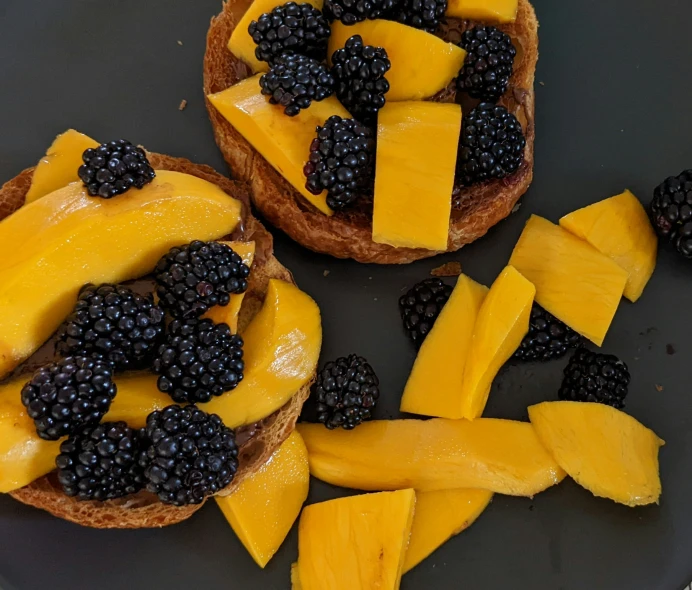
{"x": 257, "y": 442}
{"x": 349, "y": 234}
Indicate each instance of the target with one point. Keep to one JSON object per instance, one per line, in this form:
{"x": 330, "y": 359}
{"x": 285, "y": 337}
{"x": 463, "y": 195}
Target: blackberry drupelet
{"x": 351, "y": 12}
{"x": 114, "y": 322}
{"x": 294, "y": 81}
{"x": 594, "y": 377}
{"x": 420, "y": 307}
{"x": 191, "y": 455}
{"x": 300, "y": 28}
{"x": 199, "y": 360}
{"x": 192, "y": 279}
{"x": 346, "y": 392}
{"x": 359, "y": 71}
{"x": 488, "y": 65}
{"x": 101, "y": 462}
{"x": 342, "y": 161}
{"x": 548, "y": 338}
{"x": 67, "y": 394}
{"x": 114, "y": 167}
{"x": 491, "y": 144}
{"x": 421, "y": 14}
{"x": 671, "y": 211}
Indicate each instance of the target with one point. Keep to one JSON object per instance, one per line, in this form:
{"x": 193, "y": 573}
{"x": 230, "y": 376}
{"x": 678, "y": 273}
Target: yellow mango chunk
{"x": 416, "y": 157}
{"x": 435, "y": 383}
{"x": 502, "y": 323}
{"x": 295, "y": 577}
{"x": 501, "y": 456}
{"x": 356, "y": 543}
{"x": 620, "y": 228}
{"x": 281, "y": 348}
{"x": 494, "y": 11}
{"x": 422, "y": 64}
{"x": 439, "y": 516}
{"x": 264, "y": 507}
{"x": 283, "y": 141}
{"x": 575, "y": 282}
{"x": 99, "y": 241}
{"x": 603, "y": 449}
{"x": 59, "y": 166}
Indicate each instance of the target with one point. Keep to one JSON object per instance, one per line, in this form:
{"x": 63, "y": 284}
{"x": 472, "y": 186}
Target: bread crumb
{"x": 516, "y": 207}
{"x": 670, "y": 349}
{"x": 659, "y": 388}
{"x": 325, "y": 273}
{"x": 542, "y": 83}
{"x": 183, "y": 104}
{"x": 180, "y": 42}
{"x": 450, "y": 269}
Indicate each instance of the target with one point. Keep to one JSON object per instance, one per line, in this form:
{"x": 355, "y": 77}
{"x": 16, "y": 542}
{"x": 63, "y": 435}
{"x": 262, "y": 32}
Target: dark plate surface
{"x": 612, "y": 112}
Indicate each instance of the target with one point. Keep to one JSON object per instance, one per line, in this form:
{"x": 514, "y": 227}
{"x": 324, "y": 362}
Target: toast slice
{"x": 257, "y": 442}
{"x": 348, "y": 234}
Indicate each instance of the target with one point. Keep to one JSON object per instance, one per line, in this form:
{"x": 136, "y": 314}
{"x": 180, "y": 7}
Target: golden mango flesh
{"x": 620, "y": 228}
{"x": 295, "y": 577}
{"x": 356, "y": 543}
{"x": 416, "y": 159}
{"x": 503, "y": 321}
{"x": 575, "y": 282}
{"x": 603, "y": 449}
{"x": 492, "y": 11}
{"x": 422, "y": 64}
{"x": 281, "y": 348}
{"x": 263, "y": 508}
{"x": 501, "y": 456}
{"x": 436, "y": 380}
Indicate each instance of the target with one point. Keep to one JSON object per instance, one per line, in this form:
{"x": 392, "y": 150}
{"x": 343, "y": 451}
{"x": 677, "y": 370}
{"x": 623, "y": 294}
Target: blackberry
{"x": 671, "y": 211}
{"x": 192, "y": 279}
{"x": 114, "y": 322}
{"x": 101, "y": 462}
{"x": 199, "y": 360}
{"x": 548, "y": 338}
{"x": 191, "y": 455}
{"x": 491, "y": 144}
{"x": 488, "y": 65}
{"x": 346, "y": 392}
{"x": 351, "y": 12}
{"x": 342, "y": 161}
{"x": 72, "y": 392}
{"x": 300, "y": 28}
{"x": 294, "y": 81}
{"x": 114, "y": 167}
{"x": 359, "y": 74}
{"x": 594, "y": 377}
{"x": 421, "y": 14}
{"x": 420, "y": 307}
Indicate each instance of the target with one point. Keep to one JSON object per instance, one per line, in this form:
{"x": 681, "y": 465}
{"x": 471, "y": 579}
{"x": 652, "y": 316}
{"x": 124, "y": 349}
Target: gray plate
{"x": 613, "y": 112}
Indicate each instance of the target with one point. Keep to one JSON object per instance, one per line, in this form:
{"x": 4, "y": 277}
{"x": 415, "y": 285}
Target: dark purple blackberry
{"x": 491, "y": 144}
{"x": 101, "y": 462}
{"x": 351, "y": 12}
{"x": 548, "y": 338}
{"x": 671, "y": 212}
{"x": 114, "y": 167}
{"x": 70, "y": 393}
{"x": 421, "y": 14}
{"x": 346, "y": 392}
{"x": 114, "y": 322}
{"x": 342, "y": 161}
{"x": 359, "y": 72}
{"x": 299, "y": 28}
{"x": 420, "y": 307}
{"x": 191, "y": 455}
{"x": 199, "y": 360}
{"x": 594, "y": 377}
{"x": 488, "y": 65}
{"x": 192, "y": 279}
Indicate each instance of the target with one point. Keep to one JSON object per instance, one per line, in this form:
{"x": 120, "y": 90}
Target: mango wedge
{"x": 493, "y": 11}
{"x": 295, "y": 577}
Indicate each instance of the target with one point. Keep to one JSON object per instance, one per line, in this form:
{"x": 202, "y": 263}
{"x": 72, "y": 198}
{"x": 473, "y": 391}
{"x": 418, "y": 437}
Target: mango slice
{"x": 503, "y": 321}
{"x": 574, "y": 281}
{"x": 422, "y": 64}
{"x": 620, "y": 228}
{"x": 416, "y": 158}
{"x": 493, "y": 11}
{"x": 283, "y": 141}
{"x": 59, "y": 166}
{"x": 436, "y": 381}
{"x": 264, "y": 507}
{"x": 439, "y": 516}
{"x": 355, "y": 543}
{"x": 281, "y": 350}
{"x": 501, "y": 456}
{"x": 603, "y": 449}
{"x": 295, "y": 577}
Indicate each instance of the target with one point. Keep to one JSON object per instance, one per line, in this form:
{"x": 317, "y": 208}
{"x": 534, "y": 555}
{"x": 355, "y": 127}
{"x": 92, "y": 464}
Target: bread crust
{"x": 349, "y": 234}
